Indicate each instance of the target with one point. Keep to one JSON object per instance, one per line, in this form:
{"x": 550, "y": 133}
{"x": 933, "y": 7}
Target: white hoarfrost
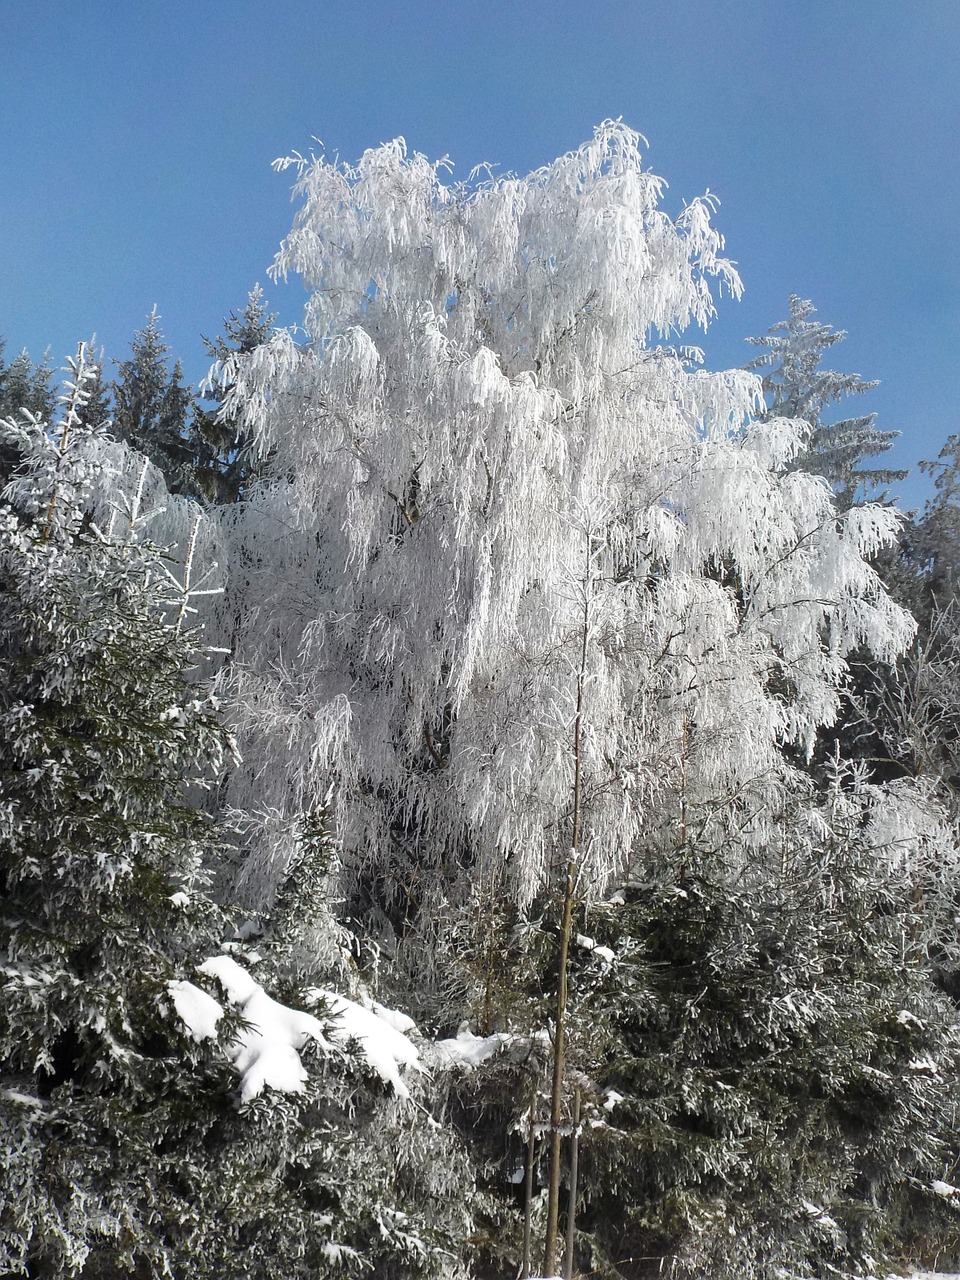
{"x": 481, "y": 471}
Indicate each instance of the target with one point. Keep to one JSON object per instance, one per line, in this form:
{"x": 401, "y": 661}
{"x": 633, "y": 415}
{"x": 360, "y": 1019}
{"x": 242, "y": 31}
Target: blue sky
{"x": 136, "y": 140}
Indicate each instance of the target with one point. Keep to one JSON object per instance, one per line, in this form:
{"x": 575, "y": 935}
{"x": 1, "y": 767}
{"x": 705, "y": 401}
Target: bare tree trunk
{"x": 572, "y": 1201}
{"x": 559, "y": 1063}
{"x": 566, "y": 928}
{"x": 528, "y": 1181}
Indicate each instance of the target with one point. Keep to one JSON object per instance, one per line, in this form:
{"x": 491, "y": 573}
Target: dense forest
{"x": 479, "y": 791}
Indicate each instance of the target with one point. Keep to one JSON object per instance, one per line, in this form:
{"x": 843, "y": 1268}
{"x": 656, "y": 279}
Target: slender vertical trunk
{"x": 566, "y": 928}
{"x": 559, "y": 1063}
{"x": 572, "y": 1201}
{"x": 187, "y": 574}
{"x": 488, "y": 926}
{"x": 683, "y": 783}
{"x": 528, "y": 1181}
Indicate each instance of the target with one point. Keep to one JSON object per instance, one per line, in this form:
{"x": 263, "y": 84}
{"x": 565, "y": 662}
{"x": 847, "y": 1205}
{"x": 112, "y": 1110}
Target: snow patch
{"x": 377, "y": 1031}
{"x": 198, "y": 1012}
{"x": 23, "y": 1099}
{"x": 401, "y": 1022}
{"x": 924, "y": 1066}
{"x": 603, "y": 954}
{"x": 467, "y": 1049}
{"x": 265, "y": 1052}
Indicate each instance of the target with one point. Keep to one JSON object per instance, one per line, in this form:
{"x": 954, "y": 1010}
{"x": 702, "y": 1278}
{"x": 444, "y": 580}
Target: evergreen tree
{"x": 795, "y": 386}
{"x": 24, "y": 387}
{"x": 101, "y": 855}
{"x": 926, "y": 572}
{"x": 226, "y": 468}
{"x": 125, "y": 1144}
{"x": 778, "y": 1092}
{"x": 97, "y": 411}
{"x": 153, "y": 409}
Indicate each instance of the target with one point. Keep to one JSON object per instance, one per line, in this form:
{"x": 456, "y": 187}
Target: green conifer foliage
{"x": 779, "y": 1088}
{"x": 101, "y": 860}
{"x": 124, "y": 1147}
{"x": 153, "y": 409}
{"x": 24, "y": 386}
{"x": 226, "y": 466}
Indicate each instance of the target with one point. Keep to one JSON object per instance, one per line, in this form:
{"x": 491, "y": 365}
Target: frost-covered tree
{"x": 521, "y": 594}
{"x": 795, "y": 386}
{"x": 487, "y": 489}
{"x": 25, "y": 386}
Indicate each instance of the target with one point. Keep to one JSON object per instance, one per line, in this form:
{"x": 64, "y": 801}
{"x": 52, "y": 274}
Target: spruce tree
{"x": 226, "y": 467}
{"x": 25, "y": 387}
{"x": 125, "y": 1145}
{"x": 795, "y": 386}
{"x": 153, "y": 409}
{"x": 102, "y": 857}
{"x": 780, "y": 1077}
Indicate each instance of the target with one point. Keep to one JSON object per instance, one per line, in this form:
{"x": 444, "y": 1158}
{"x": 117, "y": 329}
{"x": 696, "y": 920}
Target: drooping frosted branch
{"x": 480, "y": 373}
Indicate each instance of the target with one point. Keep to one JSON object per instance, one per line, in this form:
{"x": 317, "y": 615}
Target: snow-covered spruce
{"x": 121, "y": 1147}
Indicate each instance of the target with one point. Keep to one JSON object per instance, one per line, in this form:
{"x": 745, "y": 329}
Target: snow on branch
{"x": 266, "y": 1051}
{"x": 480, "y": 431}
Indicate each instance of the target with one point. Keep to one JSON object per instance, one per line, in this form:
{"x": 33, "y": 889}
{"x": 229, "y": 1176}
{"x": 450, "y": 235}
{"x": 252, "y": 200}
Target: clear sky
{"x": 136, "y": 140}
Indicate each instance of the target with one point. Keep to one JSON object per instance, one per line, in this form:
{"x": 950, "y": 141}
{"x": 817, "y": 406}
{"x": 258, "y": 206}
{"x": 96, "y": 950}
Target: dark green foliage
{"x": 201, "y": 453}
{"x": 153, "y": 410}
{"x": 226, "y": 468}
{"x": 123, "y": 1148}
{"x": 769, "y": 1074}
{"x": 787, "y": 1076}
{"x": 24, "y": 387}
{"x": 925, "y": 571}
{"x": 101, "y": 732}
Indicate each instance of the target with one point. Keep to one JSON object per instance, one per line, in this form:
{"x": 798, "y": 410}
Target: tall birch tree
{"x": 523, "y": 591}
{"x": 489, "y": 488}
